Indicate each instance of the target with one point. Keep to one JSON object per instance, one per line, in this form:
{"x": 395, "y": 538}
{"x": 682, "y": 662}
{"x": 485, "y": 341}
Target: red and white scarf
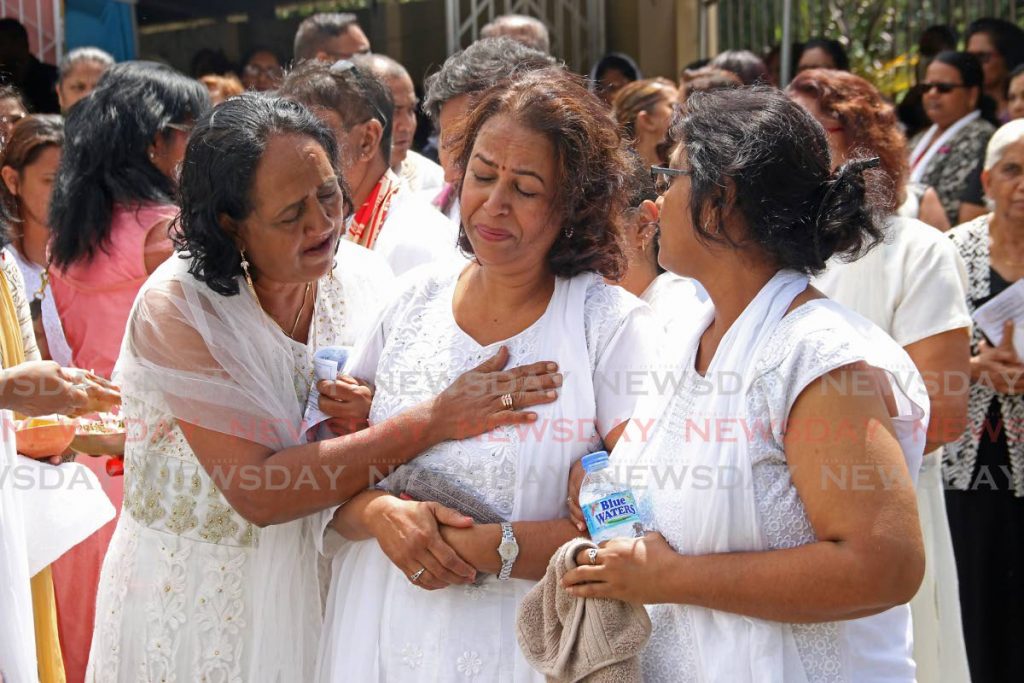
{"x": 366, "y": 224}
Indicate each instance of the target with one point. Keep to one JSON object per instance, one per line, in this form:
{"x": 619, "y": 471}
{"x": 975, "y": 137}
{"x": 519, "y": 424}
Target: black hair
{"x": 353, "y": 92}
{"x": 642, "y": 187}
{"x": 1017, "y": 72}
{"x": 12, "y": 29}
{"x": 776, "y": 156}
{"x": 316, "y": 28}
{"x": 745, "y": 64}
{"x": 775, "y": 53}
{"x": 619, "y": 62}
{"x": 937, "y": 38}
{"x": 834, "y": 49}
{"x": 479, "y": 67}
{"x": 255, "y": 50}
{"x": 208, "y": 61}
{"x": 105, "y": 161}
{"x": 218, "y": 173}
{"x": 1007, "y": 37}
{"x": 972, "y": 76}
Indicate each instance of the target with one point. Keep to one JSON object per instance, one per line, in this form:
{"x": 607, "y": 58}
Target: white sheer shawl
{"x": 221, "y": 363}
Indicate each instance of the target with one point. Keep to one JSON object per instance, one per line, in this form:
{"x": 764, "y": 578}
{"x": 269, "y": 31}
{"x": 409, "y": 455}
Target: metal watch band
{"x": 506, "y": 565}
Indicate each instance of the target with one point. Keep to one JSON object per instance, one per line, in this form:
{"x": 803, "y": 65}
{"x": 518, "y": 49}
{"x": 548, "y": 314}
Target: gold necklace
{"x": 302, "y": 307}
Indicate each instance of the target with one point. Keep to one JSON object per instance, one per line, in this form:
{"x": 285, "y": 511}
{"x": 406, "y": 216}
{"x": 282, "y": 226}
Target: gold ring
{"x": 506, "y": 401}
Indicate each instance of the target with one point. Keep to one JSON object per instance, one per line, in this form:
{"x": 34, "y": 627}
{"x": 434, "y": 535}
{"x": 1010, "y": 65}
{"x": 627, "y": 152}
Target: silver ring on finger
{"x": 507, "y": 402}
{"x": 592, "y": 555}
{"x": 416, "y": 575}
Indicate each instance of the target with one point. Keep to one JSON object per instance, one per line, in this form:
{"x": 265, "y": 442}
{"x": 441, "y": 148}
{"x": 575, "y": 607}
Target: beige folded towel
{"x": 580, "y": 639}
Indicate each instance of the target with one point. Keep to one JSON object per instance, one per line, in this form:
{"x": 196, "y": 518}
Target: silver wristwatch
{"x": 508, "y": 551}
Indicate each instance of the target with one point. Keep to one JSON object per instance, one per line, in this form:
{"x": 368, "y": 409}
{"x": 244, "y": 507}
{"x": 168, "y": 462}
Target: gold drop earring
{"x": 245, "y": 271}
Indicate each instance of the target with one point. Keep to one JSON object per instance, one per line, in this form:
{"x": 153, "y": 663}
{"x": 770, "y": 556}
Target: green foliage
{"x": 880, "y": 36}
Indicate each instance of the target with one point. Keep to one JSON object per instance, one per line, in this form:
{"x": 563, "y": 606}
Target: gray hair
{"x": 477, "y": 68}
{"x": 314, "y": 30}
{"x": 83, "y": 54}
{"x": 1007, "y": 135}
{"x": 529, "y": 31}
{"x": 381, "y": 66}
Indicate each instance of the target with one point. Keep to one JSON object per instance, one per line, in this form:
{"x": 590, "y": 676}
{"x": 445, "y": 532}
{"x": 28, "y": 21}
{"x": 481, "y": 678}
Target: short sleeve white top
{"x": 913, "y": 285}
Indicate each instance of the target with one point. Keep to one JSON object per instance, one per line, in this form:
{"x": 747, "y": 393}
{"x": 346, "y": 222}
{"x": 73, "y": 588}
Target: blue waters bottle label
{"x": 614, "y": 516}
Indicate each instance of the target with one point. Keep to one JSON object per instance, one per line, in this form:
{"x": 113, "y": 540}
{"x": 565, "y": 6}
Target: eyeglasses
{"x": 943, "y": 88}
{"x": 983, "y": 56}
{"x": 272, "y": 72}
{"x": 663, "y": 177}
{"x": 11, "y": 119}
{"x": 181, "y": 127}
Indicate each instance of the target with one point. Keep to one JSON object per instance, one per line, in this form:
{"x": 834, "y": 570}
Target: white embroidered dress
{"x": 380, "y": 627}
{"x": 176, "y": 598}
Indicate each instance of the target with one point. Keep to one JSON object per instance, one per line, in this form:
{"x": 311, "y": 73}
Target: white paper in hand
{"x": 1007, "y": 305}
{"x": 327, "y": 363}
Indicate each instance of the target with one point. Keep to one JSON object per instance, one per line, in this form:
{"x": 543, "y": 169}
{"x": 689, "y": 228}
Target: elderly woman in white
{"x": 542, "y": 205}
{"x": 779, "y": 473}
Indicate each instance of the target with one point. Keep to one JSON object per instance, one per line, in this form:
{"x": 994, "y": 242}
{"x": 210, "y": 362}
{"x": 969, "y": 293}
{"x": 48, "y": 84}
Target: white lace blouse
{"x": 379, "y": 626}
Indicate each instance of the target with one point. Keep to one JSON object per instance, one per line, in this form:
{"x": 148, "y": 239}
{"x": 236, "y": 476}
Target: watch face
{"x": 508, "y": 550}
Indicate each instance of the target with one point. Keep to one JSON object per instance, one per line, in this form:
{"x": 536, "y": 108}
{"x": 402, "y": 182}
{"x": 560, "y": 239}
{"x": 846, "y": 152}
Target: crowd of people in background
{"x": 182, "y": 250}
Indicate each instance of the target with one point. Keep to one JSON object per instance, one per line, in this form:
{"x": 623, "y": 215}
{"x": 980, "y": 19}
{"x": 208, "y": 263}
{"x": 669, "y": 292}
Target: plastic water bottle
{"x": 608, "y": 507}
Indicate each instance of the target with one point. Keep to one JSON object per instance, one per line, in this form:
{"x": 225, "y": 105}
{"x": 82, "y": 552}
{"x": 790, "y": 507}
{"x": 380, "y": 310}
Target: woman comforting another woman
{"x": 212, "y": 571}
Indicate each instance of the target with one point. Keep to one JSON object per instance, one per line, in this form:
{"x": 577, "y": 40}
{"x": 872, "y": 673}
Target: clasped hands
{"x": 36, "y": 388}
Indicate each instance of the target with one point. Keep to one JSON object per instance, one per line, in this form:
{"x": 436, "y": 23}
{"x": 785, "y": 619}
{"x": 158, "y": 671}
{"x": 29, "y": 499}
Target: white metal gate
{"x": 576, "y": 26}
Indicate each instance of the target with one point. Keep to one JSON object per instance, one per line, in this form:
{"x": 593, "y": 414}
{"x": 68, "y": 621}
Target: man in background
{"x": 416, "y": 171}
{"x": 330, "y": 37}
{"x": 529, "y": 31}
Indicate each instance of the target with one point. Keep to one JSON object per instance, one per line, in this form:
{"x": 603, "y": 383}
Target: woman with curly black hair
{"x": 543, "y": 188}
{"x": 779, "y": 469}
{"x": 212, "y": 570}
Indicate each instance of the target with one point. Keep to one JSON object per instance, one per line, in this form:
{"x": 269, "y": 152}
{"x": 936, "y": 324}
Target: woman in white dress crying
{"x": 419, "y": 592}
